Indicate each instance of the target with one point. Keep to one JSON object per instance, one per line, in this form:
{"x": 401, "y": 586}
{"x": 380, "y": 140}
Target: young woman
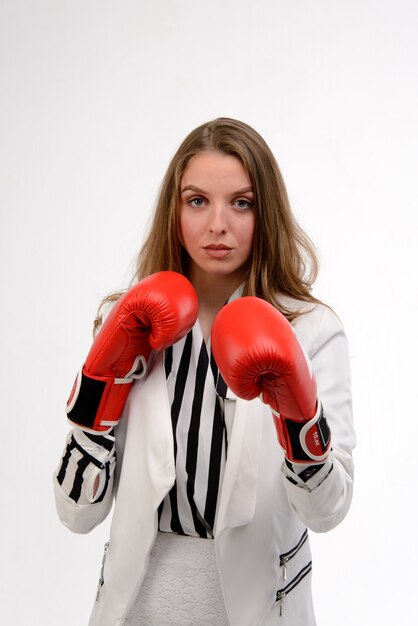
{"x": 214, "y": 408}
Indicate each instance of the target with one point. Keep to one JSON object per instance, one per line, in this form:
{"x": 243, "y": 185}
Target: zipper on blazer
{"x": 287, "y": 556}
{"x": 101, "y": 579}
{"x": 282, "y": 593}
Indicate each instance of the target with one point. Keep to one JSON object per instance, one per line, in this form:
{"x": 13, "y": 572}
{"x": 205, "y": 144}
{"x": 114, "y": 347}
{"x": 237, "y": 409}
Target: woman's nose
{"x": 218, "y": 220}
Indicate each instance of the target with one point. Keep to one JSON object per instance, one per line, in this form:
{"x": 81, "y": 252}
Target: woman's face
{"x": 217, "y": 215}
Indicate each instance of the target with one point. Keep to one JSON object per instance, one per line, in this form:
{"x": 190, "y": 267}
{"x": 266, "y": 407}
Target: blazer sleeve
{"x": 322, "y": 501}
{"x": 83, "y": 481}
{"x": 87, "y": 458}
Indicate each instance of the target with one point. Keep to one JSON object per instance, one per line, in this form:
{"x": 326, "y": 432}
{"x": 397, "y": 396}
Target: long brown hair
{"x": 284, "y": 260}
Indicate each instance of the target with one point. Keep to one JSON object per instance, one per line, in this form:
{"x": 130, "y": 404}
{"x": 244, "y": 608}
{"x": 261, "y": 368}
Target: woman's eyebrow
{"x": 192, "y": 188}
{"x": 234, "y": 193}
{"x": 244, "y": 190}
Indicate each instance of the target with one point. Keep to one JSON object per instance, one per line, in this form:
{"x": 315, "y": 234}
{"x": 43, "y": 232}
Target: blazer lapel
{"x": 146, "y": 475}
{"x": 238, "y": 494}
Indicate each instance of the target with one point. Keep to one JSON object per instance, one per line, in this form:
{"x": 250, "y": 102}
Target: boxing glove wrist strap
{"x": 95, "y": 403}
{"x": 304, "y": 442}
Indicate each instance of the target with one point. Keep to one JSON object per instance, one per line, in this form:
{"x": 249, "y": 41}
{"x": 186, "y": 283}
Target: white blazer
{"x": 261, "y": 548}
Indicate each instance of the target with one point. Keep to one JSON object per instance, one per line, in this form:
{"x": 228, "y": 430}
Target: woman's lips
{"x": 217, "y": 251}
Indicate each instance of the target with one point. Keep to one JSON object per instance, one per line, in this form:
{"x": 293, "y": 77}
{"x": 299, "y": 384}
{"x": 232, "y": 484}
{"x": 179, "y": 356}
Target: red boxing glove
{"x": 152, "y": 315}
{"x": 258, "y": 354}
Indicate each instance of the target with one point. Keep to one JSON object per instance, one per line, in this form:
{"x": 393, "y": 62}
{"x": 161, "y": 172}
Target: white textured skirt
{"x": 182, "y": 585}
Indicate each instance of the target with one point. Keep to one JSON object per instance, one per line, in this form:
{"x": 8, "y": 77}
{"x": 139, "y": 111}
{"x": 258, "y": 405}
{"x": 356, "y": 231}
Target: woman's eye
{"x": 242, "y": 203}
{"x": 196, "y": 202}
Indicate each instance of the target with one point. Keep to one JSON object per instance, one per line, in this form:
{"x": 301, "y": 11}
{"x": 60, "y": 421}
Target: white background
{"x": 95, "y": 98}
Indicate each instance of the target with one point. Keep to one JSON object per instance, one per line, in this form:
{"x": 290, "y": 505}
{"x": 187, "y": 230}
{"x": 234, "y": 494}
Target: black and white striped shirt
{"x": 197, "y": 393}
